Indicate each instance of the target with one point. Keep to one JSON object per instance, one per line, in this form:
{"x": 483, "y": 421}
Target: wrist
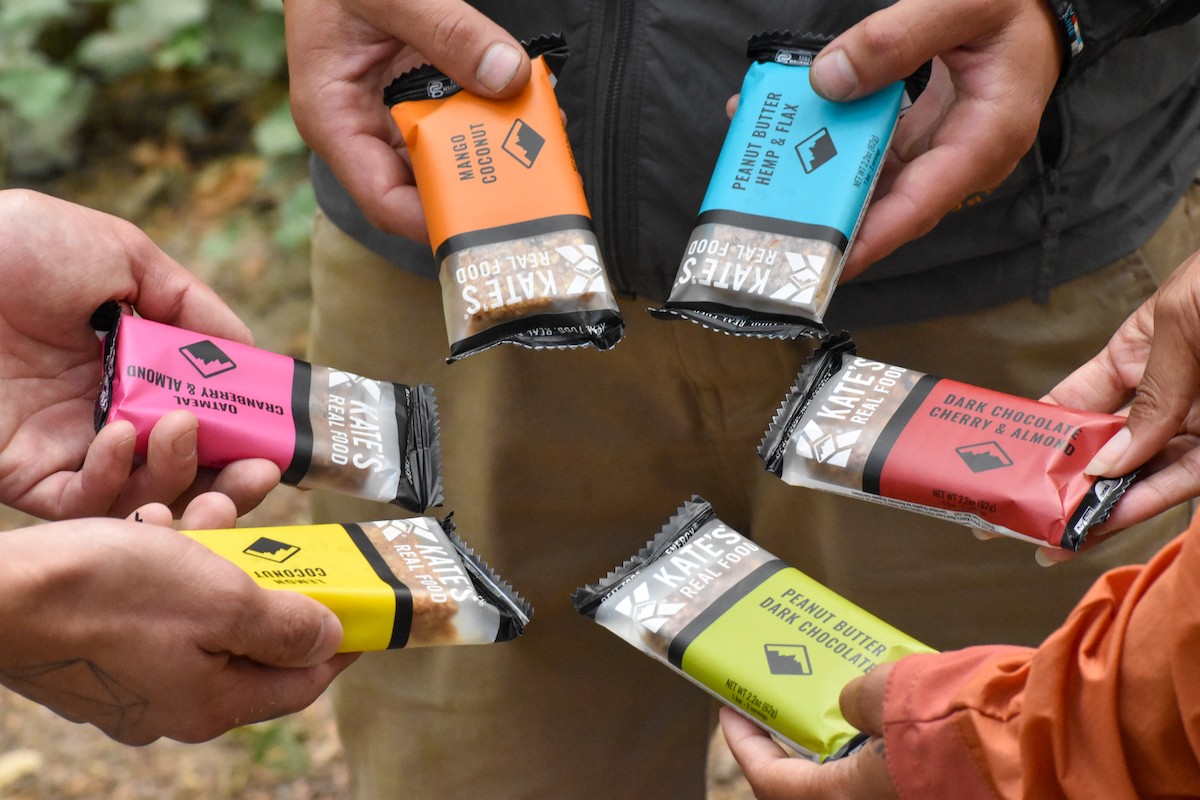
{"x": 1070, "y": 37}
{"x": 40, "y": 574}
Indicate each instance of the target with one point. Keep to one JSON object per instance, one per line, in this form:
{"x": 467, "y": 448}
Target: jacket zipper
{"x": 1049, "y": 149}
{"x": 611, "y": 150}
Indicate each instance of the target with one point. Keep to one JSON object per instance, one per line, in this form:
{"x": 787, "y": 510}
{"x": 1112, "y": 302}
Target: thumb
{"x": 284, "y": 629}
{"x": 890, "y": 45}
{"x": 1164, "y": 396}
{"x": 469, "y": 47}
{"x": 168, "y": 293}
{"x": 861, "y": 700}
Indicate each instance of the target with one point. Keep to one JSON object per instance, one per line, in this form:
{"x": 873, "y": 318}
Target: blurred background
{"x": 173, "y": 114}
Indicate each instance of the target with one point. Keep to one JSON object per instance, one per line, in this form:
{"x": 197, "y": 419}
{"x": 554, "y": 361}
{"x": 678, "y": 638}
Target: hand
{"x": 58, "y": 263}
{"x": 1154, "y": 360}
{"x": 997, "y": 63}
{"x": 342, "y": 55}
{"x": 774, "y": 775}
{"x": 146, "y": 633}
{"x": 206, "y": 512}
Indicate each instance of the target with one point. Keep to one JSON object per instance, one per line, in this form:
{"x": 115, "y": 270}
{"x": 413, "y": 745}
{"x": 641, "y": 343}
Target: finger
{"x": 952, "y": 144}
{"x": 1165, "y": 392}
{"x": 106, "y": 468}
{"x": 893, "y": 43}
{"x": 752, "y": 747}
{"x": 1165, "y": 483}
{"x": 731, "y": 105}
{"x": 477, "y": 53}
{"x": 1049, "y": 556}
{"x": 208, "y": 511}
{"x": 376, "y": 175}
{"x": 165, "y": 292}
{"x": 153, "y": 514}
{"x": 925, "y": 190}
{"x": 125, "y": 266}
{"x": 1096, "y": 385}
{"x": 339, "y": 113}
{"x": 279, "y": 629}
{"x": 245, "y": 482}
{"x": 171, "y": 463}
{"x": 770, "y": 770}
{"x": 861, "y": 700}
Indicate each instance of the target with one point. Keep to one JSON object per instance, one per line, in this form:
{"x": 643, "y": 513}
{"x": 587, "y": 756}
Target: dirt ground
{"x": 210, "y": 218}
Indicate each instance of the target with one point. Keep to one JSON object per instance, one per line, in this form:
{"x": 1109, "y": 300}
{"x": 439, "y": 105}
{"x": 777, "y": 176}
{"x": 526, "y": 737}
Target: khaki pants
{"x": 559, "y": 465}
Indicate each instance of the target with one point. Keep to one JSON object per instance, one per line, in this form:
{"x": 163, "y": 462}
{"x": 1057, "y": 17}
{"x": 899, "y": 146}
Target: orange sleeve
{"x": 484, "y": 163}
{"x": 1107, "y": 707}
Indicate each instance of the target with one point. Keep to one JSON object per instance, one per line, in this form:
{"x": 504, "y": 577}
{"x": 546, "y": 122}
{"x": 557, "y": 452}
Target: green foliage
{"x": 39, "y": 100}
{"x": 278, "y": 745}
{"x": 197, "y": 81}
{"x": 64, "y": 63}
{"x": 295, "y": 217}
{"x": 143, "y": 33}
{"x": 220, "y": 246}
{"x": 275, "y": 135}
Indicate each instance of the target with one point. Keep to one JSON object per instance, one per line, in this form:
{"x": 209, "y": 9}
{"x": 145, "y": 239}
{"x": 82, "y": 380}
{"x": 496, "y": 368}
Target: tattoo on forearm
{"x": 79, "y": 688}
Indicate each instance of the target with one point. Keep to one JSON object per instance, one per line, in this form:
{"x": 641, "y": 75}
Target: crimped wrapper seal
{"x": 962, "y": 453}
{"x": 324, "y": 428}
{"x": 799, "y": 49}
{"x": 789, "y": 190}
{"x": 427, "y": 82}
{"x": 392, "y": 584}
{"x": 757, "y": 634}
{"x": 508, "y": 221}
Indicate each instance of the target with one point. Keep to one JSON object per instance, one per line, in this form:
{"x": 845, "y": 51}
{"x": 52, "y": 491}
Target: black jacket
{"x": 645, "y": 88}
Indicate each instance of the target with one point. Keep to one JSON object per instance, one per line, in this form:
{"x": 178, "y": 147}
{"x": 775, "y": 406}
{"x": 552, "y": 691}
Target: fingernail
{"x": 325, "y": 647}
{"x": 185, "y": 446}
{"x": 1114, "y": 448}
{"x": 499, "y": 66}
{"x": 833, "y": 76}
{"x": 1042, "y": 559}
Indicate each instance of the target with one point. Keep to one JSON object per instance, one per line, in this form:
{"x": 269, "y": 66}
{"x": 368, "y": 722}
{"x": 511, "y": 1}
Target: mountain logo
{"x": 788, "y": 659}
{"x": 271, "y": 550}
{"x": 806, "y": 268}
{"x": 348, "y": 380}
{"x": 817, "y": 150}
{"x": 523, "y": 143}
{"x": 585, "y": 262}
{"x": 650, "y": 614}
{"x": 984, "y": 456}
{"x": 207, "y": 359}
{"x": 803, "y": 278}
{"x": 817, "y": 444}
{"x": 410, "y": 529}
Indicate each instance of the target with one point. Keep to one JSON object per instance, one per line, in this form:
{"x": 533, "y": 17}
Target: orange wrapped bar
{"x": 507, "y": 217}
